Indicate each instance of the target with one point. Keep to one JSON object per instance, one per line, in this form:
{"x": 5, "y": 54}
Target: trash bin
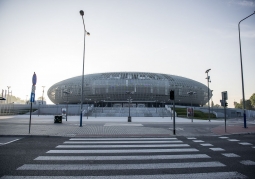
{"x": 58, "y": 119}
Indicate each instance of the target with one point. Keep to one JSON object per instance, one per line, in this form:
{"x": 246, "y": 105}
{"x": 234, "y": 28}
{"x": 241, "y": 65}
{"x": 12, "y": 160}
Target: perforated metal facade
{"x": 149, "y": 88}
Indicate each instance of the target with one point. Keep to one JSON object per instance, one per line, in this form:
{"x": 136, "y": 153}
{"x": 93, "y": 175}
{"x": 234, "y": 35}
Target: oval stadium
{"x": 141, "y": 88}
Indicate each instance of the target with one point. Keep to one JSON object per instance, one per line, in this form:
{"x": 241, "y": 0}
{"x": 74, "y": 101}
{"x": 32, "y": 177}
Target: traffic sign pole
{"x": 32, "y": 97}
{"x": 225, "y": 118}
{"x": 30, "y": 116}
{"x": 174, "y": 119}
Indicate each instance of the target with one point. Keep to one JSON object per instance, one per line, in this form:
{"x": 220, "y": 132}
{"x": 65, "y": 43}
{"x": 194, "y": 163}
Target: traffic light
{"x": 221, "y": 103}
{"x": 226, "y": 104}
{"x": 172, "y": 95}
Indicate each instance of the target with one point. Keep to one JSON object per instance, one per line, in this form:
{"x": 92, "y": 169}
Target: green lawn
{"x": 182, "y": 112}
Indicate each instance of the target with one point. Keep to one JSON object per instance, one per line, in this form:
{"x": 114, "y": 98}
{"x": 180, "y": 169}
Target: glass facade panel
{"x": 113, "y": 86}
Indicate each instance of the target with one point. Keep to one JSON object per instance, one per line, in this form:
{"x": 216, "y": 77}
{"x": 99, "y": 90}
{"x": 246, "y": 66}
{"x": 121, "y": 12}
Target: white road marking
{"x": 9, "y": 142}
{"x": 177, "y": 129}
{"x": 217, "y": 149}
{"x": 136, "y": 157}
{"x": 122, "y": 146}
{"x": 245, "y": 143}
{"x": 223, "y": 137}
{"x": 124, "y": 151}
{"x": 198, "y": 141}
{"x": 119, "y": 166}
{"x": 206, "y": 144}
{"x": 191, "y": 138}
{"x": 247, "y": 162}
{"x": 104, "y": 139}
{"x": 121, "y": 142}
{"x": 230, "y": 155}
{"x": 233, "y": 140}
{"x": 123, "y": 124}
{"x": 216, "y": 175}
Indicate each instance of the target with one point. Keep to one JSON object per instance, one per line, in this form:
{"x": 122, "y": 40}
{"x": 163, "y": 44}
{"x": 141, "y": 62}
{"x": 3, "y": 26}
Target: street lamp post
{"x": 11, "y": 97}
{"x": 129, "y": 101}
{"x": 57, "y": 108}
{"x": 156, "y": 105}
{"x": 102, "y": 105}
{"x": 88, "y": 107}
{"x": 212, "y": 101}
{"x": 8, "y": 94}
{"x": 190, "y": 93}
{"x": 208, "y": 80}
{"x": 108, "y": 99}
{"x": 67, "y": 93}
{"x": 163, "y": 102}
{"x": 95, "y": 109}
{"x": 85, "y": 33}
{"x": 42, "y": 101}
{"x": 43, "y": 93}
{"x": 244, "y": 112}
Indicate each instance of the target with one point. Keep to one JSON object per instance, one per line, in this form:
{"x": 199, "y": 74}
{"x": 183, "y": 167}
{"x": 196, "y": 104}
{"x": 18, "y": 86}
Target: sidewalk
{"x": 116, "y": 127}
{"x": 235, "y": 129}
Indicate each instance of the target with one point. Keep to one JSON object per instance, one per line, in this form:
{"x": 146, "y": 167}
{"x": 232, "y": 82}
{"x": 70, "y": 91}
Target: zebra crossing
{"x": 123, "y": 158}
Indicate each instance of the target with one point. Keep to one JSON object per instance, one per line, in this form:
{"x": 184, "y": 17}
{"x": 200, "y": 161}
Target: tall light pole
{"x": 95, "y": 108}
{"x": 8, "y": 94}
{"x": 85, "y": 33}
{"x": 163, "y": 102}
{"x": 208, "y": 80}
{"x": 42, "y": 93}
{"x": 88, "y": 107}
{"x": 156, "y": 105}
{"x": 42, "y": 101}
{"x": 109, "y": 100}
{"x": 11, "y": 97}
{"x": 67, "y": 93}
{"x": 244, "y": 112}
{"x": 190, "y": 93}
{"x": 102, "y": 105}
{"x": 129, "y": 101}
{"x": 212, "y": 100}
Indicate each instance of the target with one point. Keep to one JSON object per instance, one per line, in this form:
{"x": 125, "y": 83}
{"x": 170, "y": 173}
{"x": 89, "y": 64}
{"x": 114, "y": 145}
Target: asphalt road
{"x": 231, "y": 156}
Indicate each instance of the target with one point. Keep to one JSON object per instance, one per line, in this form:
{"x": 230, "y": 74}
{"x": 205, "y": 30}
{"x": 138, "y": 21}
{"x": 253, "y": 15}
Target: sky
{"x": 178, "y": 37}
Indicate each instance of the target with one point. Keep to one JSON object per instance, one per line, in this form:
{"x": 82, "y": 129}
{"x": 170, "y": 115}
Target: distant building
{"x": 150, "y": 89}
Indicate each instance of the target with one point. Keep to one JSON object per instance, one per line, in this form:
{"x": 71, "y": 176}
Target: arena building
{"x": 116, "y": 88}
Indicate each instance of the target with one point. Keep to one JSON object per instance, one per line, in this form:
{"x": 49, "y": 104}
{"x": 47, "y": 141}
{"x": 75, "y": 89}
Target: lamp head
{"x": 207, "y": 70}
{"x": 81, "y": 12}
{"x": 88, "y": 33}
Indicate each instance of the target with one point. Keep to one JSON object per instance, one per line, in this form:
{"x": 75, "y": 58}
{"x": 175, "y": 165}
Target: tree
{"x": 238, "y": 105}
{"x": 15, "y": 100}
{"x": 252, "y": 99}
{"x": 217, "y": 106}
{"x": 248, "y": 105}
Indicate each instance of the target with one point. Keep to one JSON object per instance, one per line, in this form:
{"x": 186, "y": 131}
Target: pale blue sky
{"x": 178, "y": 37}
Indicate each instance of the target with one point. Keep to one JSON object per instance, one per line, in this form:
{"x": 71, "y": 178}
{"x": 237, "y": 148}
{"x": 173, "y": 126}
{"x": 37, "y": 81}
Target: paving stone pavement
{"x": 105, "y": 126}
